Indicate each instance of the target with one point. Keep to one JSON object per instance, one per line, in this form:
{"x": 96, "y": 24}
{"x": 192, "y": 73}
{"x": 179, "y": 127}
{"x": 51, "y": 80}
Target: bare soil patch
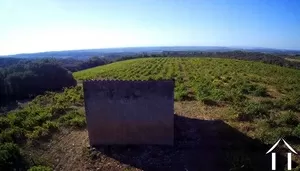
{"x": 202, "y": 142}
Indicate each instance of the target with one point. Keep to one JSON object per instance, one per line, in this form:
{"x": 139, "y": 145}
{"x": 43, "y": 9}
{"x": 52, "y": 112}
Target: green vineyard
{"x": 260, "y": 100}
{"x": 201, "y": 78}
{"x": 265, "y": 95}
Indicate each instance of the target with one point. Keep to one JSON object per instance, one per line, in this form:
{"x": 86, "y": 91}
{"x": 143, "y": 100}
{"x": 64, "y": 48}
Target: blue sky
{"x": 46, "y": 25}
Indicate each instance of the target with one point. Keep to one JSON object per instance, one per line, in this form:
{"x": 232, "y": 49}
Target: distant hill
{"x": 119, "y": 52}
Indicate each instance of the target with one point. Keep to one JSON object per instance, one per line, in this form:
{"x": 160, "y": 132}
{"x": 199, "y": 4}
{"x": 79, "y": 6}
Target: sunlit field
{"x": 261, "y": 101}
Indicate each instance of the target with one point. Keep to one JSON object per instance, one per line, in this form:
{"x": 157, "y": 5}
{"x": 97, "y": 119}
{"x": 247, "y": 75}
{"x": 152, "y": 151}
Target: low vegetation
{"x": 38, "y": 120}
{"x": 43, "y": 115}
{"x": 10, "y": 156}
{"x": 40, "y": 168}
{"x": 265, "y": 96}
{"x": 255, "y": 91}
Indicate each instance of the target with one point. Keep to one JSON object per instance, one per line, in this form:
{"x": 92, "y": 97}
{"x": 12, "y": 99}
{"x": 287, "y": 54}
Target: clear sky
{"x": 46, "y": 25}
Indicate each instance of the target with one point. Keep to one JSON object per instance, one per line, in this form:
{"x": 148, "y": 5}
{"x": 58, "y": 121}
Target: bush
{"x": 77, "y": 122}
{"x": 50, "y": 125}
{"x": 10, "y": 157}
{"x": 184, "y": 95}
{"x": 74, "y": 118}
{"x": 270, "y": 134}
{"x": 290, "y": 102}
{"x": 40, "y": 168}
{"x": 288, "y": 119}
{"x": 234, "y": 98}
{"x": 204, "y": 90}
{"x": 296, "y": 131}
{"x": 57, "y": 111}
{"x": 252, "y": 89}
{"x": 247, "y": 88}
{"x": 4, "y": 123}
{"x": 218, "y": 94}
{"x": 260, "y": 91}
{"x": 38, "y": 132}
{"x": 14, "y": 134}
{"x": 250, "y": 111}
{"x": 267, "y": 104}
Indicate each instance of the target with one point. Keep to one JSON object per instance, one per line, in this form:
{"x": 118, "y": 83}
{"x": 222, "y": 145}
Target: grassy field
{"x": 259, "y": 100}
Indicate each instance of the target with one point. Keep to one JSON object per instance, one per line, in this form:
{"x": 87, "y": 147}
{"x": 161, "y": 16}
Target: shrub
{"x": 36, "y": 119}
{"x": 253, "y": 89}
{"x": 247, "y": 88}
{"x": 50, "y": 125}
{"x": 40, "y": 168}
{"x": 204, "y": 91}
{"x": 10, "y": 157}
{"x": 38, "y": 132}
{"x": 282, "y": 132}
{"x": 14, "y": 134}
{"x": 270, "y": 134}
{"x": 260, "y": 91}
{"x": 17, "y": 117}
{"x": 4, "y": 123}
{"x": 296, "y": 131}
{"x": 77, "y": 122}
{"x": 57, "y": 111}
{"x": 267, "y": 104}
{"x": 250, "y": 111}
{"x": 234, "y": 98}
{"x": 290, "y": 102}
{"x": 73, "y": 118}
{"x": 288, "y": 119}
{"x": 218, "y": 94}
{"x": 182, "y": 94}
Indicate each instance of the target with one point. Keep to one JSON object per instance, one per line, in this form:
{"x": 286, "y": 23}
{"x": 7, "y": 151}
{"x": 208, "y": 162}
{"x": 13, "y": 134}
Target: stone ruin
{"x": 129, "y": 112}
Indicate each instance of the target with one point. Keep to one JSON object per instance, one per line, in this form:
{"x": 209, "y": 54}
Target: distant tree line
{"x": 25, "y": 78}
{"x": 71, "y": 64}
{"x": 30, "y": 78}
{"x": 5, "y": 62}
{"x": 74, "y": 65}
{"x": 241, "y": 55}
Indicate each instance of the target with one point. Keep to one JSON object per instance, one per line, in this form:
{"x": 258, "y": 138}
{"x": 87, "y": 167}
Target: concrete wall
{"x": 129, "y": 112}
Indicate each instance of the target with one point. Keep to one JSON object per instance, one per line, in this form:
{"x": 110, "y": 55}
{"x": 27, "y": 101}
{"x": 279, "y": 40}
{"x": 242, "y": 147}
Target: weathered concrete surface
{"x": 129, "y": 112}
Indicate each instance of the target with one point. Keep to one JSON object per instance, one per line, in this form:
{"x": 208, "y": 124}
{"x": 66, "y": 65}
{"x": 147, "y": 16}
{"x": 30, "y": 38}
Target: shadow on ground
{"x": 200, "y": 145}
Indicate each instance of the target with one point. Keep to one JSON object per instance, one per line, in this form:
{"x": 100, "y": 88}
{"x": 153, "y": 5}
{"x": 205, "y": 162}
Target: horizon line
{"x": 163, "y": 46}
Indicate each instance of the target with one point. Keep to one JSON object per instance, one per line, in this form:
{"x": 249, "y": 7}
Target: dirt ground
{"x": 202, "y": 142}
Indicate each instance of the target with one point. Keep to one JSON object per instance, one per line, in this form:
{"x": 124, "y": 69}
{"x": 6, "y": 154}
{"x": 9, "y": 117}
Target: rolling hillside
{"x": 260, "y": 100}
{"x": 254, "y": 90}
{"x": 239, "y": 107}
{"x": 199, "y": 78}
